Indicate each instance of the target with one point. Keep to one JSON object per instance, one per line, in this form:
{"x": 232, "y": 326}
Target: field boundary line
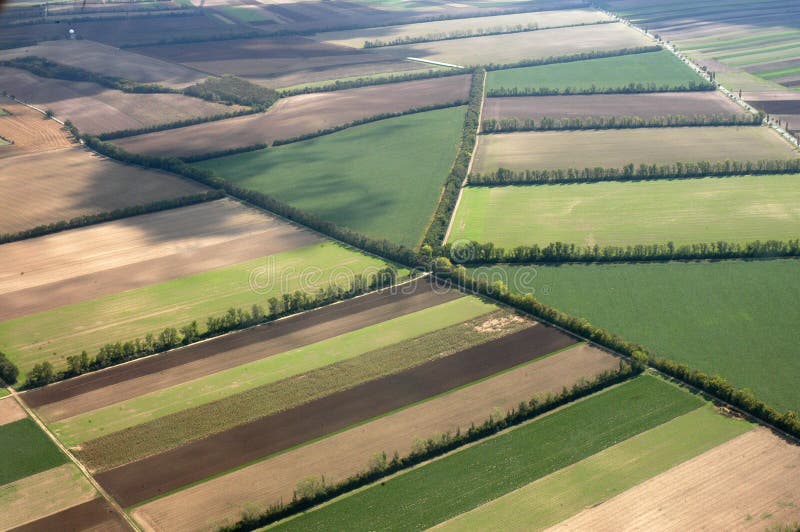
{"x": 83, "y": 469}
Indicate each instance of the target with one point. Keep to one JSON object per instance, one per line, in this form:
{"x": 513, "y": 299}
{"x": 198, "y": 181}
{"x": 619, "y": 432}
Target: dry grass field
{"x": 298, "y": 115}
{"x": 749, "y": 483}
{"x": 41, "y": 188}
{"x": 607, "y": 105}
{"x": 95, "y": 109}
{"x": 223, "y": 499}
{"x": 10, "y": 411}
{"x": 82, "y": 264}
{"x": 29, "y": 130}
{"x": 616, "y": 148}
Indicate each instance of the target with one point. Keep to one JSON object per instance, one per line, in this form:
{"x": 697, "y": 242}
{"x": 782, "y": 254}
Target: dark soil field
{"x": 607, "y": 105}
{"x": 147, "y": 478}
{"x": 298, "y": 115}
{"x": 92, "y": 391}
{"x": 96, "y": 514}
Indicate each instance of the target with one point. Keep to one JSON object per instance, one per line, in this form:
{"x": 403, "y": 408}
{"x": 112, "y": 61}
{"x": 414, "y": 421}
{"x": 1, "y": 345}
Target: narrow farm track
{"x": 160, "y": 474}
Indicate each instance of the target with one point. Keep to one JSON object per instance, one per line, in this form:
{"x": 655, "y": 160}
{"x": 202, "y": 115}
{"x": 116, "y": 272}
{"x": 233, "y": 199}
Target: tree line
{"x": 452, "y": 186}
{"x": 223, "y": 153}
{"x": 8, "y": 370}
{"x": 370, "y": 81}
{"x": 308, "y": 495}
{"x": 122, "y": 133}
{"x": 630, "y": 172}
{"x": 114, "y": 353}
{"x": 582, "y": 56}
{"x": 513, "y": 124}
{"x": 233, "y": 90}
{"x": 559, "y": 252}
{"x": 631, "y": 88}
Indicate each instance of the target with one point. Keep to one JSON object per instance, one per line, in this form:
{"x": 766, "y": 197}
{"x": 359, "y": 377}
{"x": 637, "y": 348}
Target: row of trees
{"x": 122, "y": 133}
{"x": 456, "y": 34}
{"x": 452, "y": 186}
{"x": 315, "y": 491}
{"x": 630, "y": 172}
{"x": 582, "y": 56}
{"x": 114, "y": 353}
{"x": 630, "y": 88}
{"x": 508, "y": 125}
{"x": 223, "y": 153}
{"x": 369, "y": 81}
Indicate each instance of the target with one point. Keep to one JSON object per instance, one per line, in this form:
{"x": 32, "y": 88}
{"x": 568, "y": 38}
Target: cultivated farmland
{"x": 380, "y": 191}
{"x": 615, "y": 149}
{"x": 29, "y": 131}
{"x": 299, "y": 115}
{"x": 733, "y": 209}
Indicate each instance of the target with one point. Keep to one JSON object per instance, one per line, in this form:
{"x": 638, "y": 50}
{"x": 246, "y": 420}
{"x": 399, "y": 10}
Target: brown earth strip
{"x": 28, "y": 129}
{"x": 298, "y": 115}
{"x": 99, "y": 389}
{"x": 606, "y": 105}
{"x": 93, "y": 515}
{"x": 10, "y": 411}
{"x": 213, "y": 503}
{"x": 142, "y": 480}
{"x": 748, "y": 483}
{"x": 65, "y": 268}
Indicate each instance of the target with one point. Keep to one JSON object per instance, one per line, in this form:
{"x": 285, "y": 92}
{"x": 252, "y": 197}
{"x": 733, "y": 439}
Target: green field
{"x": 661, "y": 68}
{"x": 464, "y": 480}
{"x": 382, "y": 179}
{"x": 181, "y": 427}
{"x": 65, "y": 331}
{"x": 244, "y": 14}
{"x": 734, "y": 209}
{"x": 271, "y": 369}
{"x": 25, "y": 450}
{"x": 600, "y": 477}
{"x": 3, "y": 392}
{"x": 734, "y": 318}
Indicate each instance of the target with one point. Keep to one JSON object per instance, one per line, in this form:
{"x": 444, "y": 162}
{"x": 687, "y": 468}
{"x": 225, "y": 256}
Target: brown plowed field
{"x": 95, "y": 390}
{"x": 10, "y": 411}
{"x": 65, "y": 268}
{"x": 95, "y": 515}
{"x": 748, "y": 483}
{"x": 29, "y": 130}
{"x": 41, "y": 188}
{"x": 95, "y": 109}
{"x": 210, "y": 504}
{"x": 606, "y": 105}
{"x": 298, "y": 115}
{"x": 147, "y": 478}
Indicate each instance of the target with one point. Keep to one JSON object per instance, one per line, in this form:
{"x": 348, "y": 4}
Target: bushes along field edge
{"x": 582, "y": 56}
{"x": 513, "y": 124}
{"x": 122, "y": 133}
{"x": 8, "y": 370}
{"x": 630, "y": 88}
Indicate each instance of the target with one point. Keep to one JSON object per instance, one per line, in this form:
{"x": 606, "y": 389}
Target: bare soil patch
{"x": 41, "y": 188}
{"x": 298, "y": 115}
{"x": 95, "y": 390}
{"x": 29, "y": 130}
{"x": 211, "y": 504}
{"x": 607, "y": 105}
{"x": 65, "y": 268}
{"x": 95, "y": 109}
{"x": 10, "y": 411}
{"x": 161, "y": 473}
{"x": 96, "y": 515}
{"x": 748, "y": 483}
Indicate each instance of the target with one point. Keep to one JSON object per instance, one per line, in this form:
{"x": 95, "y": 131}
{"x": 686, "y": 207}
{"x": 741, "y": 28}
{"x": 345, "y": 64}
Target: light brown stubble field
{"x": 29, "y": 131}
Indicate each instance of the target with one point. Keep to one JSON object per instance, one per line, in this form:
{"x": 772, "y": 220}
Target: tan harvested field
{"x": 224, "y": 499}
{"x": 68, "y": 267}
{"x": 511, "y": 48}
{"x": 616, "y": 148}
{"x": 110, "y": 61}
{"x": 43, "y": 494}
{"x": 298, "y": 115}
{"x": 41, "y": 188}
{"x": 543, "y": 19}
{"x": 29, "y": 130}
{"x": 607, "y": 105}
{"x": 95, "y": 109}
{"x": 748, "y": 483}
{"x": 10, "y": 411}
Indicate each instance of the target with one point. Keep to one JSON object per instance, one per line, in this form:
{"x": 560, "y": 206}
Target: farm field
{"x": 110, "y": 61}
{"x": 226, "y": 497}
{"x": 29, "y": 131}
{"x": 615, "y": 148}
{"x": 746, "y": 484}
{"x": 96, "y": 514}
{"x": 95, "y": 109}
{"x": 543, "y": 19}
{"x": 87, "y": 263}
{"x": 299, "y": 115}
{"x": 674, "y": 308}
{"x": 379, "y": 191}
{"x": 504, "y": 49}
{"x": 608, "y": 105}
{"x": 10, "y": 411}
{"x": 660, "y": 68}
{"x": 424, "y": 497}
{"x": 732, "y": 209}
{"x": 53, "y": 335}
{"x": 72, "y": 182}
{"x": 594, "y": 480}
{"x": 26, "y": 451}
